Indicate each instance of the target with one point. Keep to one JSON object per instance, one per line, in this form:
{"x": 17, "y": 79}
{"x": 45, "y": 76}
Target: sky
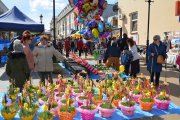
{"x": 34, "y": 8}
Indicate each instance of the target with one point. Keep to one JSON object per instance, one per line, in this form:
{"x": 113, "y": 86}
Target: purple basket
{"x": 162, "y": 104}
{"x": 87, "y": 114}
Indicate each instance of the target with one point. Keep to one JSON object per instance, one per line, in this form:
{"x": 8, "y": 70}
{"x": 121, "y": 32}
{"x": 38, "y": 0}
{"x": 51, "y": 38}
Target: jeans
{"x": 157, "y": 76}
{"x": 67, "y": 53}
{"x": 80, "y": 51}
{"x": 45, "y": 76}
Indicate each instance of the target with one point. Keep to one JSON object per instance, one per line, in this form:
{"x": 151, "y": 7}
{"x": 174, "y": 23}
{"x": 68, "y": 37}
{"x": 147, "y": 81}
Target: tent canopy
{"x": 15, "y": 20}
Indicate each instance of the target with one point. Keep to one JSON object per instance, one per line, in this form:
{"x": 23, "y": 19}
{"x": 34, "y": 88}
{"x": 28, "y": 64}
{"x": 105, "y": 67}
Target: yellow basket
{"x": 8, "y": 116}
{"x": 30, "y": 117}
{"x": 44, "y": 119}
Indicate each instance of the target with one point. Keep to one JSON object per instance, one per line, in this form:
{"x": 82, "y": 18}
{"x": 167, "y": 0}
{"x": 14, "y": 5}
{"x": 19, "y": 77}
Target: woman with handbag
{"x": 156, "y": 57}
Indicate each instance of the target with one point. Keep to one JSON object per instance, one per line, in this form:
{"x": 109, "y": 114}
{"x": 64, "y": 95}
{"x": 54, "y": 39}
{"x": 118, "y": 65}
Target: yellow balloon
{"x": 121, "y": 68}
{"x": 95, "y": 32}
{"x": 86, "y": 7}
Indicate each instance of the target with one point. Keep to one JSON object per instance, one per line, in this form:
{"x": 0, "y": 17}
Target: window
{"x": 134, "y": 22}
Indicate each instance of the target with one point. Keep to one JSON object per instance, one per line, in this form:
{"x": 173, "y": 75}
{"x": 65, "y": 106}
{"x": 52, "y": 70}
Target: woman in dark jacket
{"x": 17, "y": 67}
{"x": 155, "y": 49}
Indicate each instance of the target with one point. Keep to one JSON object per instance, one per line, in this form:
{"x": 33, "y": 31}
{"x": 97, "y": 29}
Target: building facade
{"x": 133, "y": 17}
{"x": 3, "y": 9}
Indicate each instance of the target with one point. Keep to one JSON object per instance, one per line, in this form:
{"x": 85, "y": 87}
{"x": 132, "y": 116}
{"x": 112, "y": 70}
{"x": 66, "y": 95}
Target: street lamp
{"x": 41, "y": 17}
{"x": 147, "y": 42}
{"x": 54, "y": 30}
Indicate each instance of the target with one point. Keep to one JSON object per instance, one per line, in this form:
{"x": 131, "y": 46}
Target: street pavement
{"x": 172, "y": 76}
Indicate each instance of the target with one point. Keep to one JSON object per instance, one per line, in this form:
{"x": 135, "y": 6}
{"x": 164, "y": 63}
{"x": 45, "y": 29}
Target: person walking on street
{"x": 122, "y": 43}
{"x": 26, "y": 41}
{"x": 112, "y": 55}
{"x": 155, "y": 49}
{"x": 80, "y": 46}
{"x": 60, "y": 46}
{"x": 167, "y": 44}
{"x": 17, "y": 66}
{"x": 43, "y": 54}
{"x": 72, "y": 46}
{"x": 135, "y": 66}
{"x": 67, "y": 47}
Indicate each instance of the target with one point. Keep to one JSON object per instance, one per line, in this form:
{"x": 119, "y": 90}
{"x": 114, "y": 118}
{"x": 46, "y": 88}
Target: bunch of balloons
{"x": 89, "y": 12}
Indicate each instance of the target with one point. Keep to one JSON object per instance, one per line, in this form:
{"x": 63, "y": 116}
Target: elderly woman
{"x": 17, "y": 66}
{"x": 43, "y": 54}
{"x": 155, "y": 49}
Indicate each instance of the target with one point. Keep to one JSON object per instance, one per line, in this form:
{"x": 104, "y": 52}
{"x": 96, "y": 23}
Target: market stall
{"x": 15, "y": 20}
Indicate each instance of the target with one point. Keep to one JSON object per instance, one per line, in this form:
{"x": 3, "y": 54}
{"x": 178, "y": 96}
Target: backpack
{"x": 126, "y": 58}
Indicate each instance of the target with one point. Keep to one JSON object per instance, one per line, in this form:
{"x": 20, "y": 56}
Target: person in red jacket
{"x": 85, "y": 48}
{"x": 67, "y": 46}
{"x": 178, "y": 62}
{"x": 80, "y": 46}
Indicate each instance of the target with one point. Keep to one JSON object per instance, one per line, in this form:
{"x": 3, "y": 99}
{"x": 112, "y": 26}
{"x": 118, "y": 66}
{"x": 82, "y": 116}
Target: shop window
{"x": 134, "y": 22}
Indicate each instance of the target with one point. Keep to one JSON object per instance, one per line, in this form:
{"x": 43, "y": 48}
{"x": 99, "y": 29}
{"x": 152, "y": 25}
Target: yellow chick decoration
{"x": 138, "y": 87}
{"x": 30, "y": 109}
{"x": 39, "y": 92}
{"x": 45, "y": 108}
{"x": 163, "y": 93}
{"x": 148, "y": 94}
{"x": 25, "y": 105}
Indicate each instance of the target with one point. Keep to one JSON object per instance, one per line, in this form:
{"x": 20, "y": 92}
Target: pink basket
{"x": 129, "y": 111}
{"x": 41, "y": 102}
{"x": 162, "y": 104}
{"x": 80, "y": 102}
{"x": 136, "y": 97}
{"x": 75, "y": 94}
{"x": 56, "y": 91}
{"x": 58, "y": 98}
{"x": 106, "y": 112}
{"x": 55, "y": 111}
{"x": 87, "y": 114}
{"x": 62, "y": 104}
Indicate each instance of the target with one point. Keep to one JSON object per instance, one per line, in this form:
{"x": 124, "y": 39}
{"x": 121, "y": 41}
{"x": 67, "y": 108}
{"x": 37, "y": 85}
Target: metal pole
{"x": 147, "y": 42}
{"x": 54, "y": 22}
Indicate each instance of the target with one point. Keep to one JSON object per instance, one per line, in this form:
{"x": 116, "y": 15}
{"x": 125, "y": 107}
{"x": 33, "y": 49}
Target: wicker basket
{"x": 162, "y": 104}
{"x": 106, "y": 112}
{"x": 66, "y": 115}
{"x": 41, "y": 102}
{"x": 116, "y": 103}
{"x": 97, "y": 102}
{"x": 57, "y": 98}
{"x": 146, "y": 106}
{"x": 80, "y": 102}
{"x": 30, "y": 117}
{"x": 44, "y": 119}
{"x": 8, "y": 116}
{"x": 87, "y": 114}
{"x": 136, "y": 97}
{"x": 129, "y": 111}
